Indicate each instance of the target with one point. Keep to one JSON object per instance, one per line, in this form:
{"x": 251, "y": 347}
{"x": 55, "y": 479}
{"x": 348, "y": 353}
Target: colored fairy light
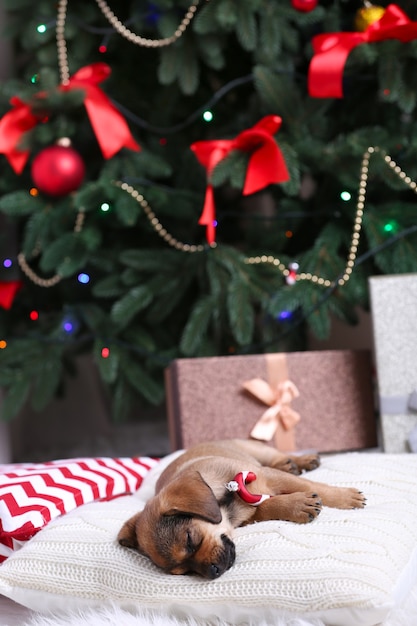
{"x": 153, "y": 15}
{"x": 207, "y": 116}
{"x": 7, "y": 263}
{"x": 105, "y": 207}
{"x": 3, "y": 344}
{"x": 346, "y": 196}
{"x": 102, "y": 49}
{"x": 34, "y": 315}
{"x": 390, "y": 227}
{"x": 163, "y": 141}
{"x": 105, "y": 353}
{"x": 41, "y": 28}
{"x": 33, "y": 191}
{"x": 284, "y": 315}
{"x": 83, "y": 278}
{"x": 70, "y": 323}
{"x": 289, "y": 234}
{"x": 291, "y": 278}
{"x": 34, "y": 79}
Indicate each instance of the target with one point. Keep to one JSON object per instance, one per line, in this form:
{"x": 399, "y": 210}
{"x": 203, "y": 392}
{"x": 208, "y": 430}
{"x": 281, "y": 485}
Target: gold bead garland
{"x": 61, "y": 43}
{"x": 357, "y": 225}
{"x": 142, "y": 41}
{"x": 119, "y": 27}
{"x": 54, "y": 280}
{"x": 155, "y": 223}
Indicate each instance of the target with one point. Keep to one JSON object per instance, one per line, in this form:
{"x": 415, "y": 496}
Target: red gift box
{"x": 320, "y": 400}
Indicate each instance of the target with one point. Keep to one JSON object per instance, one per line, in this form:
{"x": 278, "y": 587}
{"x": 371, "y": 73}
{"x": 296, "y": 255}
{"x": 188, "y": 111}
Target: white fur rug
{"x": 119, "y": 617}
{"x": 406, "y": 615}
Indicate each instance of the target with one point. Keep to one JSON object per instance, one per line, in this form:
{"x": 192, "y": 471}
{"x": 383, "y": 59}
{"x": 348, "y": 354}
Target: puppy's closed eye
{"x": 192, "y": 543}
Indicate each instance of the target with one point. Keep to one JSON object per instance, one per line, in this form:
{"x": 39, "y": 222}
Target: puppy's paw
{"x": 288, "y": 465}
{"x": 303, "y": 508}
{"x": 345, "y": 498}
{"x": 307, "y": 462}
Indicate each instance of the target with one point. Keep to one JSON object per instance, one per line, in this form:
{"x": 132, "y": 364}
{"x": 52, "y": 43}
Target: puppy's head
{"x": 181, "y": 529}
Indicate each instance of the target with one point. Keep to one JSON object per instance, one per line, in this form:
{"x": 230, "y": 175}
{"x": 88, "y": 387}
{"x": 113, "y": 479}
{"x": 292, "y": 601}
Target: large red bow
{"x": 266, "y": 163}
{"x": 331, "y": 50}
{"x": 110, "y": 127}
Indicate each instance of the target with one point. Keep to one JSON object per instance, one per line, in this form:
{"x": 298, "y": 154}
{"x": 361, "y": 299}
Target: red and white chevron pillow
{"x": 31, "y": 495}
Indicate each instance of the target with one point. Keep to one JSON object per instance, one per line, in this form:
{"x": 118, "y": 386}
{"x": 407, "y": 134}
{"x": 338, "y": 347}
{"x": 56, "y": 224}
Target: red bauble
{"x": 57, "y": 170}
{"x": 304, "y": 5}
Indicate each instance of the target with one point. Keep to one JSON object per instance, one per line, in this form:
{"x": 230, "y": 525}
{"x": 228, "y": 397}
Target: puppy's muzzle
{"x": 224, "y": 560}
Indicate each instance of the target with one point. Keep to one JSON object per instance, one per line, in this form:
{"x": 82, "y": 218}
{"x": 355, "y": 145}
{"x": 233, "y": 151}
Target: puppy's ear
{"x": 189, "y": 494}
{"x": 127, "y": 534}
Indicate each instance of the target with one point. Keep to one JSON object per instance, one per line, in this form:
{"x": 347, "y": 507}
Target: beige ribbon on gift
{"x": 279, "y": 419}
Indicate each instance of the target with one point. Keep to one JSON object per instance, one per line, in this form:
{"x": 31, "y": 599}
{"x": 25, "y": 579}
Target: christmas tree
{"x": 194, "y": 179}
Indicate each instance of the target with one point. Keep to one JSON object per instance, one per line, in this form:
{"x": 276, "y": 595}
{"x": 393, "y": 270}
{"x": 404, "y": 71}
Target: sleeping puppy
{"x": 214, "y": 487}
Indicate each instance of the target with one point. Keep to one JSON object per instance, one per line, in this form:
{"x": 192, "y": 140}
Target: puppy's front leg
{"x": 291, "y": 507}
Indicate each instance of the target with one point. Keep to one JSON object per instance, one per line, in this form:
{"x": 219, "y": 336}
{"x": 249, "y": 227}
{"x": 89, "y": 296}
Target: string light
{"x": 83, "y": 278}
{"x": 7, "y": 263}
{"x": 41, "y": 28}
{"x": 105, "y": 353}
{"x": 345, "y": 196}
{"x": 105, "y": 207}
{"x": 3, "y": 344}
{"x": 208, "y": 116}
{"x": 33, "y": 191}
{"x": 390, "y": 227}
{"x": 34, "y": 315}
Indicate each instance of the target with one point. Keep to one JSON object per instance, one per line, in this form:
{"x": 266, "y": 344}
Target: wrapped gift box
{"x": 394, "y": 319}
{"x": 325, "y": 400}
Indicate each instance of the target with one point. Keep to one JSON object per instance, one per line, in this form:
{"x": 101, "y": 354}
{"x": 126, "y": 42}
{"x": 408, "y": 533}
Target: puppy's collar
{"x": 238, "y": 484}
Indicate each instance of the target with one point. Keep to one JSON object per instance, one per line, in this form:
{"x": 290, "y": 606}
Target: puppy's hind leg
{"x": 296, "y": 464}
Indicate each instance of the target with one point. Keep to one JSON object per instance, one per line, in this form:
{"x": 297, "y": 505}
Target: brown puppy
{"x": 187, "y": 526}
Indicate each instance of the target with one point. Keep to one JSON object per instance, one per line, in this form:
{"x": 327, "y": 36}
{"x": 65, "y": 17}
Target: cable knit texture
{"x": 348, "y": 567}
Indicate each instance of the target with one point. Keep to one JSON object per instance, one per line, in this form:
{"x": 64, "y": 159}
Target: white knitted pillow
{"x": 347, "y": 568}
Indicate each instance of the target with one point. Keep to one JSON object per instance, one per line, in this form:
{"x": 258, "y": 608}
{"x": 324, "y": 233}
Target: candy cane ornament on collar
{"x": 238, "y": 484}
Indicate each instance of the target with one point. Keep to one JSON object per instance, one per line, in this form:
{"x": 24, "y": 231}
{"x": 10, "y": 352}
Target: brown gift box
{"x": 206, "y": 399}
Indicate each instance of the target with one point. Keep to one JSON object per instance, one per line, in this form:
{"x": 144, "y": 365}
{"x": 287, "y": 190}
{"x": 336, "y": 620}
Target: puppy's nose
{"x": 215, "y": 571}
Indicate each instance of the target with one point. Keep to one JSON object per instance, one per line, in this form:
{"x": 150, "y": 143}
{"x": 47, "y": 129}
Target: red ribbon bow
{"x": 266, "y": 163}
{"x": 110, "y": 127}
{"x": 331, "y": 50}
{"x": 8, "y": 290}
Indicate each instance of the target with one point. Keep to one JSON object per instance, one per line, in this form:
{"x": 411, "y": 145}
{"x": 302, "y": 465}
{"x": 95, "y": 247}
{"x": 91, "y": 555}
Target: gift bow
{"x": 266, "y": 163}
{"x": 110, "y": 127}
{"x": 331, "y": 50}
{"x": 280, "y": 412}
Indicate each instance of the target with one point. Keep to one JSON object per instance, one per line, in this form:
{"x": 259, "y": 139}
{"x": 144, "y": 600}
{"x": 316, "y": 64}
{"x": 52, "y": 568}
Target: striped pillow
{"x": 31, "y": 495}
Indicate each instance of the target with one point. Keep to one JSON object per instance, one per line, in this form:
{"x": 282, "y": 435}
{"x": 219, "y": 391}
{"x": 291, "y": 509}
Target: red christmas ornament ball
{"x": 57, "y": 170}
{"x": 304, "y": 5}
